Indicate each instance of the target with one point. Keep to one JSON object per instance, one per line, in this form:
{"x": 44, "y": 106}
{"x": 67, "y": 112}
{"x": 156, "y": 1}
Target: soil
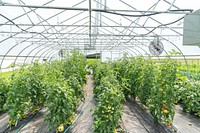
{"x": 85, "y": 121}
{"x": 4, "y": 118}
{"x": 185, "y": 122}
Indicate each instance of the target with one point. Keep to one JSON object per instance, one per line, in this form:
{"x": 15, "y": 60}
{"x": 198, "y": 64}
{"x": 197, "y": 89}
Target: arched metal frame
{"x": 111, "y": 42}
{"x": 38, "y": 41}
{"x": 35, "y": 35}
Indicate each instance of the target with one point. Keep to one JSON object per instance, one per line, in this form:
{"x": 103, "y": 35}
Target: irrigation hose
{"x": 19, "y": 129}
{"x": 66, "y": 130}
{"x": 139, "y": 119}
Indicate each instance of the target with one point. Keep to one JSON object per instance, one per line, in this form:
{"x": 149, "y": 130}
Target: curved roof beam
{"x": 153, "y": 18}
{"x": 36, "y": 43}
{"x": 126, "y": 18}
{"x": 46, "y": 52}
{"x": 27, "y": 12}
{"x": 36, "y": 54}
{"x": 31, "y": 52}
{"x": 33, "y": 36}
{"x": 113, "y": 28}
{"x": 39, "y": 22}
{"x": 39, "y": 18}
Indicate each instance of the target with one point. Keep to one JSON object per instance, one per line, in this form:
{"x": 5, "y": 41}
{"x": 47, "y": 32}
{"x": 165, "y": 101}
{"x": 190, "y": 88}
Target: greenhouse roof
{"x": 34, "y": 30}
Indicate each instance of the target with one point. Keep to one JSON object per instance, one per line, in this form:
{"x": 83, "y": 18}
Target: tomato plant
{"x": 135, "y": 68}
{"x": 121, "y": 68}
{"x": 188, "y": 94}
{"x": 109, "y": 108}
{"x": 101, "y": 70}
{"x": 152, "y": 83}
{"x": 64, "y": 89}
{"x": 60, "y": 102}
{"x": 145, "y": 81}
{"x": 109, "y": 98}
{"x": 162, "y": 94}
{"x": 4, "y": 88}
{"x": 75, "y": 64}
{"x": 56, "y": 85}
{"x": 26, "y": 93}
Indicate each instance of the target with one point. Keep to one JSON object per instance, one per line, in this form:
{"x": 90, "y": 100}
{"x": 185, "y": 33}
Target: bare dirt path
{"x": 85, "y": 121}
{"x": 185, "y": 122}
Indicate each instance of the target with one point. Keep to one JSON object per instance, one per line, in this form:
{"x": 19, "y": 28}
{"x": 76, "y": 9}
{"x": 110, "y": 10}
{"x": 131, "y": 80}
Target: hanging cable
{"x": 189, "y": 10}
{"x": 129, "y": 15}
{"x": 158, "y": 27}
{"x": 153, "y": 30}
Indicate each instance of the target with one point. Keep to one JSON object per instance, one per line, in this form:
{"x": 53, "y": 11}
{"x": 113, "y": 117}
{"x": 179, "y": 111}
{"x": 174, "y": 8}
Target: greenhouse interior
{"x": 99, "y": 66}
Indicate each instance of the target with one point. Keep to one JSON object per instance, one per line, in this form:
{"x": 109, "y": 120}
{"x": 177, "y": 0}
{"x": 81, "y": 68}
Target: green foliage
{"x": 134, "y": 70}
{"x": 162, "y": 97}
{"x": 151, "y": 83}
{"x": 101, "y": 70}
{"x": 188, "y": 93}
{"x": 76, "y": 86}
{"x": 91, "y": 62}
{"x": 65, "y": 88}
{"x": 6, "y": 74}
{"x": 194, "y": 76}
{"x": 61, "y": 103}
{"x": 145, "y": 80}
{"x": 4, "y": 88}
{"x": 155, "y": 84}
{"x": 121, "y": 68}
{"x": 109, "y": 97}
{"x": 191, "y": 99}
{"x": 75, "y": 64}
{"x": 26, "y": 92}
{"x": 56, "y": 86}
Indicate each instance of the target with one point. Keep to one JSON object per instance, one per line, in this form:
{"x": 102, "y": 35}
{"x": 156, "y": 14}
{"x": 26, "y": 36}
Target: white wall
{"x": 110, "y": 55}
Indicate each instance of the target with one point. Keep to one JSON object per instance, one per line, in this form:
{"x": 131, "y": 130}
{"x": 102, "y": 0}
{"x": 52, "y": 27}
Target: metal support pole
{"x": 90, "y": 16}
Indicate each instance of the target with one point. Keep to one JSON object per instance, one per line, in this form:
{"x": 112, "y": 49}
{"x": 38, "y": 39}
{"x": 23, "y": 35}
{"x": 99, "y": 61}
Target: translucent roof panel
{"x": 34, "y": 30}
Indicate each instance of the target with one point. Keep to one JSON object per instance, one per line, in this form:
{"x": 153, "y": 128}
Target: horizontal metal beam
{"x": 138, "y": 35}
{"x": 77, "y": 39}
{"x": 184, "y": 11}
{"x": 105, "y": 26}
{"x": 24, "y": 56}
{"x": 85, "y": 43}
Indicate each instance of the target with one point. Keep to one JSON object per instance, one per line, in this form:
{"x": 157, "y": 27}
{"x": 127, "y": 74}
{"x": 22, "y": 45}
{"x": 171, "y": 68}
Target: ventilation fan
{"x": 156, "y": 47}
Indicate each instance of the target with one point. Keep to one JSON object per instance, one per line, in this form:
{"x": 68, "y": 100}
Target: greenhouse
{"x": 99, "y": 66}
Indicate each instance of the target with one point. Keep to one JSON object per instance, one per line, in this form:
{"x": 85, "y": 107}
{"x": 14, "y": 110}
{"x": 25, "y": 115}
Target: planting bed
{"x": 134, "y": 119}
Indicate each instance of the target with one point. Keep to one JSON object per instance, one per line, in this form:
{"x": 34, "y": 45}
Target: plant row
{"x": 187, "y": 93}
{"x": 157, "y": 85}
{"x": 109, "y": 99}
{"x": 192, "y": 74}
{"x": 56, "y": 86}
{"x": 151, "y": 83}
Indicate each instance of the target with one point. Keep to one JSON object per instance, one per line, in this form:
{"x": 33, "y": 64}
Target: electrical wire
{"x": 190, "y": 10}
{"x": 144, "y": 15}
{"x": 21, "y": 28}
{"x": 152, "y": 30}
{"x": 129, "y": 15}
{"x": 157, "y": 27}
